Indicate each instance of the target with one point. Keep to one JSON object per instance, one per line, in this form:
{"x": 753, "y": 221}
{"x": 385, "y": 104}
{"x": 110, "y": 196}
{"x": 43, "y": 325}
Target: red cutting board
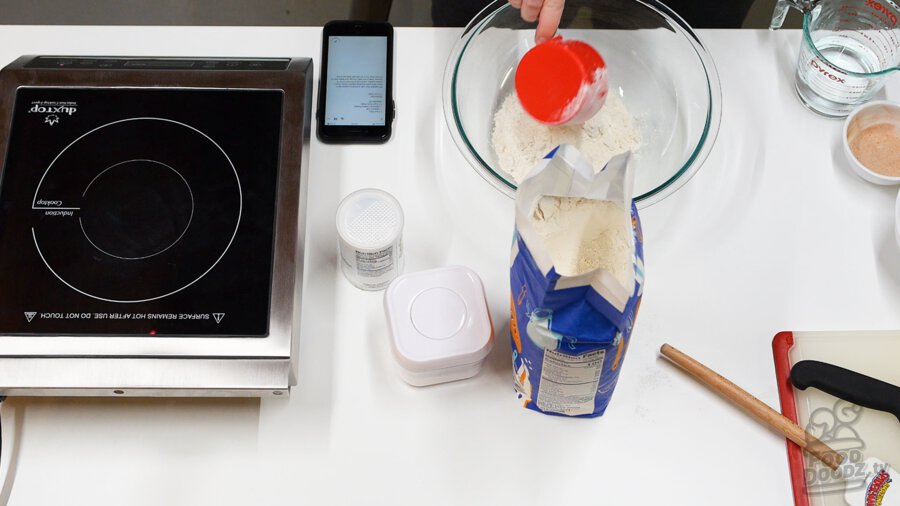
{"x": 854, "y": 431}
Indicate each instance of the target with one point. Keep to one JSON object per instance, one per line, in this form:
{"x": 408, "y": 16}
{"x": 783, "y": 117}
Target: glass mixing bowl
{"x": 657, "y": 65}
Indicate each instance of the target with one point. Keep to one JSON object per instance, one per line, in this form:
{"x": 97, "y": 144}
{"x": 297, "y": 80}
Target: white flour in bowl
{"x": 520, "y": 141}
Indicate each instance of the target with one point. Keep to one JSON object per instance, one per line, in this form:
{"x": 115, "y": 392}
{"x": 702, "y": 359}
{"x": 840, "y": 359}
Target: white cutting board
{"x": 855, "y": 431}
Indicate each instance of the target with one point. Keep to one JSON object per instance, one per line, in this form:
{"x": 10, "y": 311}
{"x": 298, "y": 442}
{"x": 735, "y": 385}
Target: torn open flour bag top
{"x": 576, "y": 280}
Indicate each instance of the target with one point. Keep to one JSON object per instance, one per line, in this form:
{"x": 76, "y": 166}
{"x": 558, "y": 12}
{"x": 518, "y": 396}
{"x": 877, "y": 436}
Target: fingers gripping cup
{"x": 562, "y": 81}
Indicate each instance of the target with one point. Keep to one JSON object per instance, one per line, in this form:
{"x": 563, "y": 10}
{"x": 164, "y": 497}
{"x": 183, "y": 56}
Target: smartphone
{"x": 356, "y": 102}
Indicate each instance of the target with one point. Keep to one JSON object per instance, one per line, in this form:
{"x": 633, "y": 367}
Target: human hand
{"x": 546, "y": 12}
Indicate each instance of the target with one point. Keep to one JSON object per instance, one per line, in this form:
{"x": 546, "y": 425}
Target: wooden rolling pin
{"x": 755, "y": 407}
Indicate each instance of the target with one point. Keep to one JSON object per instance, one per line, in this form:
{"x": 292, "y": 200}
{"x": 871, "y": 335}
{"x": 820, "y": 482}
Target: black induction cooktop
{"x": 139, "y": 211}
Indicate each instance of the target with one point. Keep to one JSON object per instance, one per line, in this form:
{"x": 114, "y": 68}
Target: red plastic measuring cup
{"x": 562, "y": 81}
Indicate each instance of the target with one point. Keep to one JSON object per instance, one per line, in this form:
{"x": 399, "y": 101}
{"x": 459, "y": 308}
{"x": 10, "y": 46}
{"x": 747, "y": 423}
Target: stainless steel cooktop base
{"x": 144, "y": 377}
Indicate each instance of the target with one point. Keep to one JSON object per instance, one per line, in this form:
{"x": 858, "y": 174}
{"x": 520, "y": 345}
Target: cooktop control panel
{"x": 113, "y": 63}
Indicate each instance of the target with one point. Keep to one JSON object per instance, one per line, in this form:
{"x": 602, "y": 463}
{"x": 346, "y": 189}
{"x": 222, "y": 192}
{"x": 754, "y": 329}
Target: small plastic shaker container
{"x": 562, "y": 81}
{"x": 439, "y": 324}
{"x": 369, "y": 225}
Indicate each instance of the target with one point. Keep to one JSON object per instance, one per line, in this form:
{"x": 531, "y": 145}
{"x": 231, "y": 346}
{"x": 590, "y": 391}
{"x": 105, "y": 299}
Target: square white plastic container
{"x": 440, "y": 328}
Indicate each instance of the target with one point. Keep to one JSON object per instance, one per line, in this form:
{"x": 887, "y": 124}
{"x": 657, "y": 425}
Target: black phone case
{"x": 347, "y": 134}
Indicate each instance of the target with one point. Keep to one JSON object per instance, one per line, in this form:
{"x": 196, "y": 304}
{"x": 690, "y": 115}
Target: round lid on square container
{"x": 439, "y": 324}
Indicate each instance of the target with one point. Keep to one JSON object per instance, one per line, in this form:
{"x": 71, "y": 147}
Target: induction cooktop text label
{"x": 52, "y": 111}
{"x": 51, "y": 315}
{"x": 54, "y": 208}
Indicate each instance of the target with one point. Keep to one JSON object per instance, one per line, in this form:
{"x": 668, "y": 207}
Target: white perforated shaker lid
{"x": 369, "y": 219}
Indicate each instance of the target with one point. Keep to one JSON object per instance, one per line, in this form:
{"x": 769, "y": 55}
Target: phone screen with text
{"x": 355, "y": 93}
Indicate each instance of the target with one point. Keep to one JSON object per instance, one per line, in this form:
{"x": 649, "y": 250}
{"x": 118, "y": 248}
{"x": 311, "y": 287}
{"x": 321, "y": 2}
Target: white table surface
{"x": 773, "y": 233}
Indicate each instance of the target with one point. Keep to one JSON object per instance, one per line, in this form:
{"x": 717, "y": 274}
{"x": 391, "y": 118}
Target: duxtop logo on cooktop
{"x": 53, "y": 111}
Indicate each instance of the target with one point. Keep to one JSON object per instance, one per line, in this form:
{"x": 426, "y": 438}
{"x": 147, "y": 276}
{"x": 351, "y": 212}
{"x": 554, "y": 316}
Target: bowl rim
{"x": 858, "y": 167}
{"x": 689, "y": 167}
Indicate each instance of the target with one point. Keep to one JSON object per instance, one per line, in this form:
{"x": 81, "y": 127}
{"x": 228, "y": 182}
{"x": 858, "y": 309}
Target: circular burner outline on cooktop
{"x": 186, "y": 227}
{"x": 201, "y": 276}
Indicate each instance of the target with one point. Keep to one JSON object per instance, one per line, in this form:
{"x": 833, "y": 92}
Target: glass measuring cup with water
{"x": 849, "y": 48}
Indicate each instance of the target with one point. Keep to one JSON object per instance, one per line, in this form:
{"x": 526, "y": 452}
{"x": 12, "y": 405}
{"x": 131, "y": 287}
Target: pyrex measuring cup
{"x": 848, "y": 49}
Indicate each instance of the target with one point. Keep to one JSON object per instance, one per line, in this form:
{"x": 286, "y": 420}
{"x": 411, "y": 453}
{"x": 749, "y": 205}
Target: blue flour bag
{"x": 576, "y": 280}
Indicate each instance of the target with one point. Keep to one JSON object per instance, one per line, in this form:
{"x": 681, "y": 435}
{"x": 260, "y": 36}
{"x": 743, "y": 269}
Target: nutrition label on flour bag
{"x": 569, "y": 382}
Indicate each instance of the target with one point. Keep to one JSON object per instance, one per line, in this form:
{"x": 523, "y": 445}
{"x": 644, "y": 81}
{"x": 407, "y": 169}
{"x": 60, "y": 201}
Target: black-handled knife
{"x": 849, "y": 385}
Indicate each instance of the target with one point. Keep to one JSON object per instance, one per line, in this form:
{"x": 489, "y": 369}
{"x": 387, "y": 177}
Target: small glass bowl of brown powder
{"x": 872, "y": 142}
